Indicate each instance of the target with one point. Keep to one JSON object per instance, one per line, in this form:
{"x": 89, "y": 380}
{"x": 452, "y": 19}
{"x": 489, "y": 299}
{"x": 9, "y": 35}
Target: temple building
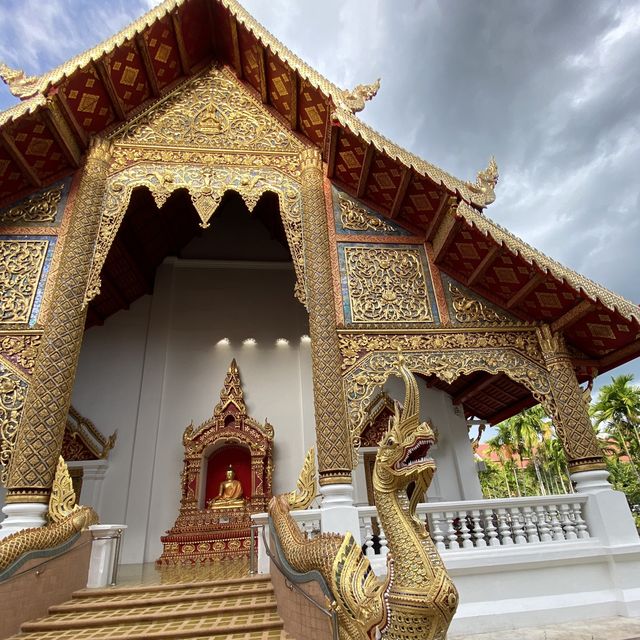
{"x": 209, "y": 265}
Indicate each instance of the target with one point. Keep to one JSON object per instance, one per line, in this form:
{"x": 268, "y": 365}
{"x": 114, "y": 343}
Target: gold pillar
{"x": 572, "y": 422}
{"x": 39, "y": 438}
{"x": 332, "y": 433}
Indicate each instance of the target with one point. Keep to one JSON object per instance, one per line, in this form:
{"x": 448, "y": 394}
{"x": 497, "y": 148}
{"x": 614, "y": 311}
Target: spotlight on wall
{"x": 223, "y": 343}
{"x": 305, "y": 338}
{"x": 282, "y": 342}
{"x": 249, "y": 342}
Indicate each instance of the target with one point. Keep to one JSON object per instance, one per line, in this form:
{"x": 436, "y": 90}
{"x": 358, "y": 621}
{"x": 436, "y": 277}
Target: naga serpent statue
{"x": 418, "y": 598}
{"x": 65, "y": 520}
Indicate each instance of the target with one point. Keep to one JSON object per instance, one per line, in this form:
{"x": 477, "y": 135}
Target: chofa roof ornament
{"x": 21, "y": 86}
{"x": 486, "y": 182}
{"x": 355, "y": 99}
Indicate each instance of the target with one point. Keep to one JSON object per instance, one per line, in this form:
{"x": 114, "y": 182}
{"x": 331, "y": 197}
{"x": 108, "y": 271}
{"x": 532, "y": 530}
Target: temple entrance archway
{"x": 206, "y": 319}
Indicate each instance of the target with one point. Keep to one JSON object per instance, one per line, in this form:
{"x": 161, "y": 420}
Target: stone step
{"x": 116, "y": 600}
{"x": 171, "y": 611}
{"x": 221, "y": 625}
{"x": 172, "y": 586}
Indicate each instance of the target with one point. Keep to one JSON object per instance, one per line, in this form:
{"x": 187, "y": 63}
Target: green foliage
{"x": 532, "y": 460}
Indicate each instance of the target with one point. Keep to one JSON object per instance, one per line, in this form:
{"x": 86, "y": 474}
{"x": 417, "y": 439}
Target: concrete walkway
{"x": 599, "y": 629}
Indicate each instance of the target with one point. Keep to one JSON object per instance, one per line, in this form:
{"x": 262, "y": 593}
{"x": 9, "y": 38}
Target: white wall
{"x": 151, "y": 370}
{"x": 456, "y": 477}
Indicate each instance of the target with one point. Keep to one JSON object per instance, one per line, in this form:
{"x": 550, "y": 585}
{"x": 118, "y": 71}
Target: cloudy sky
{"x": 550, "y": 87}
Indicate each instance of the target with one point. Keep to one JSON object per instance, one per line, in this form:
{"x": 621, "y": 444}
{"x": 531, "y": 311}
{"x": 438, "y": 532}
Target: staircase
{"x": 235, "y": 609}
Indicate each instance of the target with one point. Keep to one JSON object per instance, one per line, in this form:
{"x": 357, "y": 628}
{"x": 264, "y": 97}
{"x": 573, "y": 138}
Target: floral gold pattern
{"x": 386, "y": 285}
{"x": 446, "y": 355}
{"x": 41, "y": 207}
{"x": 13, "y": 390}
{"x": 473, "y": 310}
{"x": 357, "y": 218}
{"x": 210, "y": 112}
{"x": 22, "y": 262}
{"x": 206, "y": 186}
{"x": 21, "y": 349}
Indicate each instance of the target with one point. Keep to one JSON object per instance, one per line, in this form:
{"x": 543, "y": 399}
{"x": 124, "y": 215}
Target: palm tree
{"x": 618, "y": 409}
{"x": 504, "y": 445}
{"x": 529, "y": 427}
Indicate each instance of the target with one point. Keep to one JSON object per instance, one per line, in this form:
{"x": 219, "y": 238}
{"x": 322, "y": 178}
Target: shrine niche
{"x": 86, "y": 450}
{"x": 379, "y": 412}
{"x": 226, "y": 476}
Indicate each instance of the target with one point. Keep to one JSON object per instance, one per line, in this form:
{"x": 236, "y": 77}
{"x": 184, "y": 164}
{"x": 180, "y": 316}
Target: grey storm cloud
{"x": 550, "y": 87}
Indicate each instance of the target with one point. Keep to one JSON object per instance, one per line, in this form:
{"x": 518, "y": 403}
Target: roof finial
{"x": 20, "y": 85}
{"x": 355, "y": 99}
{"x": 486, "y": 182}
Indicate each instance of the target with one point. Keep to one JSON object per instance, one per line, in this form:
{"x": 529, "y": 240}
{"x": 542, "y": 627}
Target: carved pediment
{"x": 469, "y": 308}
{"x": 83, "y": 441}
{"x": 212, "y": 111}
{"x": 229, "y": 421}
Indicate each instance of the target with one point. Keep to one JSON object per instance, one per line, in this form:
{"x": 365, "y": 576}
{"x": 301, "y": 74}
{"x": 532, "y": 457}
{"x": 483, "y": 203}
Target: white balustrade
{"x": 482, "y": 524}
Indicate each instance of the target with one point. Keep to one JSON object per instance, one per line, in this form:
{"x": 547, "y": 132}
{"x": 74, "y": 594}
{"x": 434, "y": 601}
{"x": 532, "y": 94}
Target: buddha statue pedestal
{"x": 208, "y": 534}
{"x": 216, "y": 506}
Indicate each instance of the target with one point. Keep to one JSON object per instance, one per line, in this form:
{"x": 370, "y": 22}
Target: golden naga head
{"x": 404, "y": 449}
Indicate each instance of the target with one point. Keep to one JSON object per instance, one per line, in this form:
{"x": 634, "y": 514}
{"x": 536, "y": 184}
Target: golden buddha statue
{"x": 229, "y": 494}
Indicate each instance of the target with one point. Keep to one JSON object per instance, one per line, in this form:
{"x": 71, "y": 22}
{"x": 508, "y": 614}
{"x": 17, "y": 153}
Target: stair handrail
{"x": 36, "y": 569}
{"x": 290, "y": 582}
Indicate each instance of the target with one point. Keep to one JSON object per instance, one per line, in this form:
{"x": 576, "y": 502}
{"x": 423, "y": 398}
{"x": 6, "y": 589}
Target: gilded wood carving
{"x": 22, "y": 262}
{"x": 40, "y": 207}
{"x": 386, "y": 285}
{"x": 371, "y": 359}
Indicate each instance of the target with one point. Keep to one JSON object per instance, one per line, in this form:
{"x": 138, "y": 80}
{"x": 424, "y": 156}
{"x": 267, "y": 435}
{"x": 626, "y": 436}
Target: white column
{"x": 149, "y": 414}
{"x": 103, "y": 553}
{"x": 337, "y": 512}
{"x": 466, "y": 467}
{"x": 607, "y": 511}
{"x": 22, "y": 515}
{"x": 93, "y": 473}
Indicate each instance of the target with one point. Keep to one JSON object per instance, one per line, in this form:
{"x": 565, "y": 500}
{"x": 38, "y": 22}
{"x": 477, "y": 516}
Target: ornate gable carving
{"x": 211, "y": 112}
{"x": 468, "y": 308}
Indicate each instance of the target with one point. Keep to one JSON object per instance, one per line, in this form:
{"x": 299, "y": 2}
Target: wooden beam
{"x": 104, "y": 75}
{"x": 407, "y": 174}
{"x": 474, "y": 388}
{"x": 235, "y": 41}
{"x": 293, "y": 114}
{"x": 520, "y": 295}
{"x": 437, "y": 217}
{"x": 185, "y": 63}
{"x": 148, "y": 65}
{"x": 490, "y": 257}
{"x": 18, "y": 158}
{"x": 262, "y": 73}
{"x": 625, "y": 353}
{"x": 72, "y": 120}
{"x": 511, "y": 410}
{"x": 366, "y": 168}
{"x": 579, "y": 311}
{"x": 446, "y": 231}
{"x": 61, "y": 131}
{"x": 212, "y": 28}
{"x": 333, "y": 150}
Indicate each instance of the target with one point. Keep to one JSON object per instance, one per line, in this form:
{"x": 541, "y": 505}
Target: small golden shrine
{"x": 226, "y": 477}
